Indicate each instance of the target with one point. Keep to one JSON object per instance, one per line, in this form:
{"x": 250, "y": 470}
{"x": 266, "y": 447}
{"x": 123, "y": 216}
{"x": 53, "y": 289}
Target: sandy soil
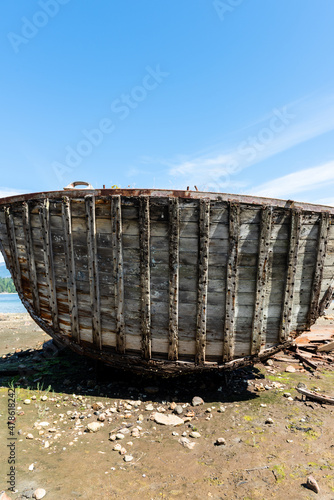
{"x": 259, "y": 460}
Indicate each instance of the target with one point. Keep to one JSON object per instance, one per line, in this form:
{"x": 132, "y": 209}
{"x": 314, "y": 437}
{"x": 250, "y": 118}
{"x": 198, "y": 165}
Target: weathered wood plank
{"x": 44, "y": 215}
{"x": 258, "y": 334}
{"x": 202, "y": 293}
{"x": 117, "y": 247}
{"x": 286, "y": 317}
{"x": 144, "y": 224}
{"x": 231, "y": 281}
{"x": 174, "y": 235}
{"x": 323, "y": 234}
{"x": 93, "y": 271}
{"x": 14, "y": 257}
{"x": 70, "y": 268}
{"x": 29, "y": 246}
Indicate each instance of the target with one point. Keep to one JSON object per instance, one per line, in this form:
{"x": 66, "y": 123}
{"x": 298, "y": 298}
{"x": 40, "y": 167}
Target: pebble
{"x": 312, "y": 484}
{"x": 186, "y": 443}
{"x": 135, "y": 433}
{"x": 27, "y": 401}
{"x": 196, "y": 401}
{"x": 290, "y": 369}
{"x": 287, "y": 394}
{"x": 269, "y": 362}
{"x": 161, "y": 418}
{"x": 33, "y": 397}
{"x": 29, "y": 436}
{"x": 128, "y": 458}
{"x": 149, "y": 407}
{"x": 178, "y": 410}
{"x": 195, "y": 434}
{"x": 175, "y": 433}
{"x": 117, "y": 447}
{"x": 120, "y": 436}
{"x": 4, "y": 496}
{"x": 269, "y": 421}
{"x": 44, "y": 398}
{"x": 31, "y": 467}
{"x": 39, "y": 493}
{"x": 94, "y": 426}
{"x": 220, "y": 441}
{"x": 221, "y": 409}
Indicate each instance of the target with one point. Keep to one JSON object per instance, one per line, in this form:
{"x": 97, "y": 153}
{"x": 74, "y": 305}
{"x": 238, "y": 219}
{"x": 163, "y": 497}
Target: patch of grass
{"x": 248, "y": 418}
{"x": 279, "y": 473}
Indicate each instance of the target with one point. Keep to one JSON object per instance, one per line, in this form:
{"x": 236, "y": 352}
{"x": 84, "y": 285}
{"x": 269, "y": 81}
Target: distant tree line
{"x": 7, "y": 285}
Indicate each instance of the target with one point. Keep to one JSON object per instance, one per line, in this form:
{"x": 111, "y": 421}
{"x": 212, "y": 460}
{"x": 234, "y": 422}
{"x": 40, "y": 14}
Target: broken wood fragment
{"x": 315, "y": 396}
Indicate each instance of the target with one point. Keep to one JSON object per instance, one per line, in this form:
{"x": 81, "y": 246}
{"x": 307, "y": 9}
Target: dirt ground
{"x": 273, "y": 440}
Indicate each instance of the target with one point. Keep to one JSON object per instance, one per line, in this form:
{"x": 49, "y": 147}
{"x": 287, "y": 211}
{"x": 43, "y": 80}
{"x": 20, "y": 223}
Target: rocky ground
{"x": 86, "y": 431}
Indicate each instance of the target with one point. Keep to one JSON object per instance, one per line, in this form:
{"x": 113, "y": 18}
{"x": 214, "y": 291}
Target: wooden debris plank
{"x": 144, "y": 224}
{"x": 93, "y": 271}
{"x": 44, "y": 214}
{"x": 174, "y": 236}
{"x": 258, "y": 333}
{"x": 326, "y": 348}
{"x": 231, "y": 282}
{"x": 117, "y": 247}
{"x": 30, "y": 257}
{"x": 286, "y": 317}
{"x": 202, "y": 293}
{"x": 321, "y": 398}
{"x": 319, "y": 266}
{"x": 70, "y": 268}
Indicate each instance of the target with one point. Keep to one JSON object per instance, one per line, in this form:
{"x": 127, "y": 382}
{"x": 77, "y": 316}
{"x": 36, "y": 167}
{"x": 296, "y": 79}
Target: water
{"x": 10, "y": 303}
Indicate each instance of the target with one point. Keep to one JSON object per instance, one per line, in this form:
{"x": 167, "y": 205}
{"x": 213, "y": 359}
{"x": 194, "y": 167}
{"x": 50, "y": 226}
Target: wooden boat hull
{"x": 169, "y": 281}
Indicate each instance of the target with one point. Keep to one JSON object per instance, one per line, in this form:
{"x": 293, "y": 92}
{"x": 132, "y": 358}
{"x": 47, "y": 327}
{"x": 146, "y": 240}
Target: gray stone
{"x": 220, "y": 442}
{"x": 163, "y": 419}
{"x": 269, "y": 421}
{"x": 196, "y": 401}
{"x": 195, "y": 434}
{"x": 178, "y": 410}
{"x": 94, "y": 426}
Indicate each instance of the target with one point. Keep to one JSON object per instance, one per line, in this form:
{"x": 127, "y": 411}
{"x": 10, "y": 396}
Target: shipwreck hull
{"x": 169, "y": 280}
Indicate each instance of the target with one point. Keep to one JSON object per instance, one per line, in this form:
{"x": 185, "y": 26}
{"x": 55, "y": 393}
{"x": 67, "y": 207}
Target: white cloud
{"x": 4, "y": 192}
{"x": 297, "y": 182}
{"x": 279, "y": 131}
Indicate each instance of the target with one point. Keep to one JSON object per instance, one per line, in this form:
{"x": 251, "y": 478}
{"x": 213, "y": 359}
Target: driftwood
{"x": 321, "y": 398}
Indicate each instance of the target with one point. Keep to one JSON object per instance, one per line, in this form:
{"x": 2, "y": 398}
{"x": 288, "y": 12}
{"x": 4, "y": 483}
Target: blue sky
{"x": 228, "y": 95}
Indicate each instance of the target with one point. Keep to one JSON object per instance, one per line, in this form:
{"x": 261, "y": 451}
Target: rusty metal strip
{"x": 286, "y": 316}
{"x": 203, "y": 269}
{"x": 93, "y": 271}
{"x": 258, "y": 333}
{"x": 117, "y": 247}
{"x": 30, "y": 257}
{"x": 231, "y": 281}
{"x": 323, "y": 235}
{"x": 174, "y": 242}
{"x": 16, "y": 267}
{"x": 44, "y": 214}
{"x": 144, "y": 231}
{"x": 70, "y": 268}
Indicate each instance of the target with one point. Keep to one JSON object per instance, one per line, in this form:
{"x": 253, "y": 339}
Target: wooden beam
{"x": 258, "y": 333}
{"x": 16, "y": 267}
{"x": 202, "y": 293}
{"x": 93, "y": 271}
{"x": 231, "y": 281}
{"x": 286, "y": 316}
{"x": 44, "y": 214}
{"x": 174, "y": 242}
{"x": 117, "y": 247}
{"x": 323, "y": 235}
{"x": 70, "y": 268}
{"x": 144, "y": 231}
{"x": 30, "y": 257}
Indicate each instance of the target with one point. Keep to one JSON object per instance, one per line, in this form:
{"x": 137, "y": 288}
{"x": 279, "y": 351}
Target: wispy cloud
{"x": 278, "y": 131}
{"x": 298, "y": 182}
{"x": 4, "y": 192}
